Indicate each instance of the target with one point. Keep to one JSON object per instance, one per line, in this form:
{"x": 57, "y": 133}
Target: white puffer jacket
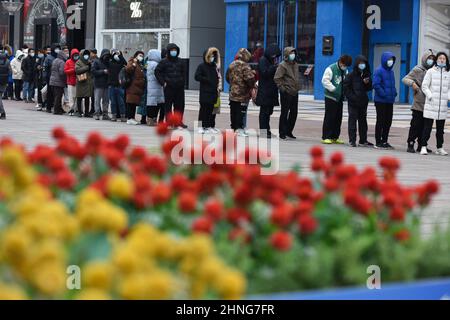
{"x": 436, "y": 87}
{"x": 16, "y": 65}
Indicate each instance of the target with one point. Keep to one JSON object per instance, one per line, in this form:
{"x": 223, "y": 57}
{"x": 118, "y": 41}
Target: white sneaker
{"x": 241, "y": 133}
{"x": 424, "y": 151}
{"x": 215, "y": 131}
{"x": 441, "y": 152}
{"x": 132, "y": 122}
{"x": 201, "y": 131}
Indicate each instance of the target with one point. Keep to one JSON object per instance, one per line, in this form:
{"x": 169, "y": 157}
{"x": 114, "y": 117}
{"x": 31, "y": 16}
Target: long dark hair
{"x": 447, "y": 68}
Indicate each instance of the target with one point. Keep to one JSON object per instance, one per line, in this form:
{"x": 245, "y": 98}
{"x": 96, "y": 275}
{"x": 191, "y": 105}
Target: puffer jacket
{"x": 267, "y": 89}
{"x": 416, "y": 76}
{"x": 384, "y": 81}
{"x": 114, "y": 68}
{"x": 82, "y": 66}
{"x": 354, "y": 87}
{"x": 241, "y": 77}
{"x": 436, "y": 87}
{"x": 287, "y": 76}
{"x": 155, "y": 92}
{"x": 208, "y": 75}
{"x": 69, "y": 68}
{"x": 57, "y": 75}
{"x": 171, "y": 71}
{"x": 137, "y": 87}
{"x": 16, "y": 65}
{"x": 98, "y": 70}
{"x": 28, "y": 68}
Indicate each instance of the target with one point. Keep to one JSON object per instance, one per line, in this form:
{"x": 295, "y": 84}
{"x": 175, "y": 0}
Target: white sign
{"x": 135, "y": 8}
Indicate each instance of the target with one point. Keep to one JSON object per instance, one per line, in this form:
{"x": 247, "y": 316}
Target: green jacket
{"x": 333, "y": 82}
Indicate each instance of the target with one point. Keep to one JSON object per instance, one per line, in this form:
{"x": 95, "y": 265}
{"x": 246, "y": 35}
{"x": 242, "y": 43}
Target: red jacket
{"x": 69, "y": 68}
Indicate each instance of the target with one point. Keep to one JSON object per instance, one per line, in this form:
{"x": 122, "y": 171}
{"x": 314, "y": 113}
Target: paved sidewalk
{"x": 30, "y": 127}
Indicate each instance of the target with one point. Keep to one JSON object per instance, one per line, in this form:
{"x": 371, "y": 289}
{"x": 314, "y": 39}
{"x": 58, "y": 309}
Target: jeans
{"x": 101, "y": 101}
{"x": 385, "y": 113}
{"x": 28, "y": 90}
{"x": 116, "y": 96}
{"x": 333, "y": 119}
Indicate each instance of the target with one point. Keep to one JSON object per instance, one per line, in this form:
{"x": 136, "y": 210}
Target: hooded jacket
{"x": 268, "y": 90}
{"x": 16, "y": 65}
{"x": 354, "y": 87}
{"x": 171, "y": 71}
{"x": 57, "y": 75}
{"x": 69, "y": 68}
{"x": 208, "y": 74}
{"x": 5, "y": 69}
{"x": 136, "y": 89}
{"x": 28, "y": 68}
{"x": 48, "y": 63}
{"x": 98, "y": 70}
{"x": 384, "y": 81}
{"x": 82, "y": 66}
{"x": 155, "y": 92}
{"x": 114, "y": 68}
{"x": 241, "y": 77}
{"x": 416, "y": 75}
{"x": 436, "y": 87}
{"x": 287, "y": 76}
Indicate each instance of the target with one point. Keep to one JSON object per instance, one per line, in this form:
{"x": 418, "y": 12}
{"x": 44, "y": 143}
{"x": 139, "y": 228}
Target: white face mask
{"x": 57, "y": 51}
{"x": 117, "y": 58}
{"x": 140, "y": 58}
{"x": 292, "y": 57}
{"x": 86, "y": 57}
{"x": 32, "y": 54}
{"x": 212, "y": 59}
{"x": 390, "y": 63}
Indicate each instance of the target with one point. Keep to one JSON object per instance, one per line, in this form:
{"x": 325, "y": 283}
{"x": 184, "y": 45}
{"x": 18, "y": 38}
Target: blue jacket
{"x": 384, "y": 81}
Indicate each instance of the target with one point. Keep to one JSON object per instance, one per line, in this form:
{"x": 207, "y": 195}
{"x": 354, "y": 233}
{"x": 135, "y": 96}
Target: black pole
{"x": 11, "y": 30}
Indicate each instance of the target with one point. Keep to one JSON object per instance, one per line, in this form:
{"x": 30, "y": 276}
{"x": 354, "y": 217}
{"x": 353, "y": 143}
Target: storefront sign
{"x": 135, "y": 8}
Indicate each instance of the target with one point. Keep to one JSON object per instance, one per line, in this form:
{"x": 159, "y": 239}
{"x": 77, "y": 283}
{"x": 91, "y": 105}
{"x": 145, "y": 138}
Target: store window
{"x": 256, "y": 26}
{"x": 272, "y": 23}
{"x": 289, "y": 23}
{"x": 306, "y": 43}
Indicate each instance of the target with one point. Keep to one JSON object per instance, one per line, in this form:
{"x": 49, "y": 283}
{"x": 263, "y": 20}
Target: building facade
{"x": 322, "y": 30}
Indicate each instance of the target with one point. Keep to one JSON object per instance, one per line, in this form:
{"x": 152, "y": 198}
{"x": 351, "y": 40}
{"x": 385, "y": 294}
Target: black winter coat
{"x": 171, "y": 71}
{"x": 354, "y": 87}
{"x": 98, "y": 70}
{"x": 114, "y": 68}
{"x": 28, "y": 68}
{"x": 268, "y": 90}
{"x": 207, "y": 75}
{"x": 39, "y": 73}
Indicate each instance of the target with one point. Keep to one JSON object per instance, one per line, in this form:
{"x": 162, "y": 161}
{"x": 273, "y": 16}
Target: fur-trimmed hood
{"x": 213, "y": 51}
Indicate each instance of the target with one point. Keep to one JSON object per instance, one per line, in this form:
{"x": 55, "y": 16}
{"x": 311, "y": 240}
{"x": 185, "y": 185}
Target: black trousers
{"x": 289, "y": 113}
{"x": 131, "y": 111}
{"x": 58, "y": 93}
{"x": 18, "y": 87}
{"x": 205, "y": 116}
{"x": 416, "y": 128}
{"x": 174, "y": 100}
{"x": 357, "y": 118}
{"x": 40, "y": 85}
{"x": 87, "y": 101}
{"x": 428, "y": 127}
{"x": 332, "y": 121}
{"x": 237, "y": 114}
{"x": 9, "y": 91}
{"x": 154, "y": 111}
{"x": 264, "y": 118}
{"x": 385, "y": 113}
{"x": 50, "y": 98}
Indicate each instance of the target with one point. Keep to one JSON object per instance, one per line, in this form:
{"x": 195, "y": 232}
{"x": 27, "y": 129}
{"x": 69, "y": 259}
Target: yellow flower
{"x": 49, "y": 278}
{"x": 102, "y": 216}
{"x": 120, "y": 186}
{"x": 210, "y": 269}
{"x": 199, "y": 246}
{"x": 15, "y": 244}
{"x": 93, "y": 294}
{"x": 157, "y": 285}
{"x": 127, "y": 260}
{"x": 198, "y": 289}
{"x": 98, "y": 275}
{"x": 11, "y": 292}
{"x": 89, "y": 197}
{"x": 47, "y": 251}
{"x": 231, "y": 285}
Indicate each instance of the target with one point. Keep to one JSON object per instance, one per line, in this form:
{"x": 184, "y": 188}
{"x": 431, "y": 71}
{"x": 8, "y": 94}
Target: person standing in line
{"x": 5, "y": 71}
{"x": 10, "y": 87}
{"x": 17, "y": 74}
{"x": 170, "y": 73}
{"x": 66, "y": 89}
{"x": 414, "y": 80}
{"x": 287, "y": 78}
{"x": 116, "y": 92}
{"x": 209, "y": 80}
{"x": 242, "y": 80}
{"x": 100, "y": 73}
{"x": 69, "y": 69}
{"x": 39, "y": 78}
{"x": 333, "y": 82}
{"x": 94, "y": 56}
{"x": 52, "y": 54}
{"x": 267, "y": 97}
{"x": 84, "y": 83}
{"x": 136, "y": 89}
{"x": 356, "y": 86}
{"x": 385, "y": 94}
{"x": 58, "y": 82}
{"x": 155, "y": 92}
{"x": 142, "y": 108}
{"x": 436, "y": 87}
{"x": 28, "y": 68}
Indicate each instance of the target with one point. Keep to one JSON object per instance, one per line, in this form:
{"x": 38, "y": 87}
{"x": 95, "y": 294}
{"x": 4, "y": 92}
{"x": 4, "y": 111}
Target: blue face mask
{"x": 362, "y": 66}
{"x": 173, "y": 53}
{"x": 430, "y": 62}
{"x": 441, "y": 65}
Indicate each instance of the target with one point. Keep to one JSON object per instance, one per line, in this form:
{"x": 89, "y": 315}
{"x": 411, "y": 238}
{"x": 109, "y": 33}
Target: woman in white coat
{"x": 436, "y": 87}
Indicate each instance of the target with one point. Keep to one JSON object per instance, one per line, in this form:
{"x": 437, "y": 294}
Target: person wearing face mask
{"x": 333, "y": 82}
{"x": 84, "y": 86}
{"x": 52, "y": 54}
{"x": 208, "y": 74}
{"x": 9, "y": 92}
{"x": 356, "y": 86}
{"x": 5, "y": 71}
{"x": 414, "y": 80}
{"x": 116, "y": 92}
{"x": 39, "y": 77}
{"x": 170, "y": 73}
{"x": 58, "y": 82}
{"x": 17, "y": 74}
{"x": 28, "y": 68}
{"x": 385, "y": 94}
{"x": 136, "y": 88}
{"x": 267, "y": 97}
{"x": 69, "y": 70}
{"x": 100, "y": 73}
{"x": 436, "y": 87}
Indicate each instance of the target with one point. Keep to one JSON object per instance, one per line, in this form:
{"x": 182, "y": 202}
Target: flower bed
{"x": 140, "y": 227}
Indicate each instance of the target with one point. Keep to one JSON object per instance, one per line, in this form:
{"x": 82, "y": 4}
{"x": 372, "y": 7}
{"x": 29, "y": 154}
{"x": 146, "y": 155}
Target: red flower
{"x": 214, "y": 209}
{"x": 402, "y": 235}
{"x": 343, "y": 172}
{"x": 389, "y": 163}
{"x": 122, "y": 142}
{"x": 44, "y": 180}
{"x": 316, "y": 152}
{"x": 155, "y": 165}
{"x": 276, "y": 198}
{"x": 56, "y": 164}
{"x": 307, "y": 224}
{"x": 161, "y": 194}
{"x": 65, "y": 180}
{"x": 397, "y": 214}
{"x": 138, "y": 153}
{"x": 187, "y": 202}
{"x": 238, "y": 215}
{"x": 304, "y": 208}
{"x": 6, "y": 141}
{"x": 281, "y": 240}
{"x": 282, "y": 215}
{"x": 432, "y": 187}
{"x": 142, "y": 182}
{"x": 304, "y": 192}
{"x": 59, "y": 133}
{"x": 239, "y": 234}
{"x": 94, "y": 141}
{"x": 318, "y": 165}
{"x": 331, "y": 184}
{"x": 175, "y": 119}
{"x": 139, "y": 200}
{"x": 243, "y": 195}
{"x": 162, "y": 129}
{"x": 113, "y": 157}
{"x": 390, "y": 198}
{"x": 203, "y": 225}
{"x": 337, "y": 158}
{"x": 169, "y": 145}
{"x": 179, "y": 182}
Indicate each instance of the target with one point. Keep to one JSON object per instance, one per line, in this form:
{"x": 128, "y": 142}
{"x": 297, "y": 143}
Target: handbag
{"x": 82, "y": 77}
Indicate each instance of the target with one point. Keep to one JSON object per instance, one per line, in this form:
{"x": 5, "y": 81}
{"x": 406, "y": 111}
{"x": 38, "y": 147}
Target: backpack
{"x": 124, "y": 78}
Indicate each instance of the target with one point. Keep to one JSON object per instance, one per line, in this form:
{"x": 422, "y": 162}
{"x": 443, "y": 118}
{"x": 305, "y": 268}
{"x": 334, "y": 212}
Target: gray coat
{"x": 155, "y": 92}
{"x": 57, "y": 74}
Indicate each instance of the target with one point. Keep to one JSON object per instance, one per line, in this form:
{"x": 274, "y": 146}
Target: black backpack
{"x": 124, "y": 78}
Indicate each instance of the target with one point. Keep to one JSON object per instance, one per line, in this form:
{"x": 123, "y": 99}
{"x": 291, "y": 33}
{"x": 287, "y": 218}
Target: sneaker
{"x": 282, "y": 137}
{"x": 411, "y": 148}
{"x": 379, "y": 146}
{"x": 327, "y": 141}
{"x": 151, "y": 122}
{"x": 420, "y": 148}
{"x": 353, "y": 144}
{"x": 366, "y": 144}
{"x": 215, "y": 130}
{"x": 114, "y": 118}
{"x": 424, "y": 151}
{"x": 71, "y": 113}
{"x": 388, "y": 146}
{"x": 105, "y": 117}
{"x": 87, "y": 115}
{"x": 338, "y": 141}
{"x": 78, "y": 114}
{"x": 3, "y": 116}
{"x": 241, "y": 133}
{"x": 441, "y": 152}
{"x": 291, "y": 136}
{"x": 201, "y": 131}
{"x": 96, "y": 117}
{"x": 123, "y": 119}
{"x": 132, "y": 122}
